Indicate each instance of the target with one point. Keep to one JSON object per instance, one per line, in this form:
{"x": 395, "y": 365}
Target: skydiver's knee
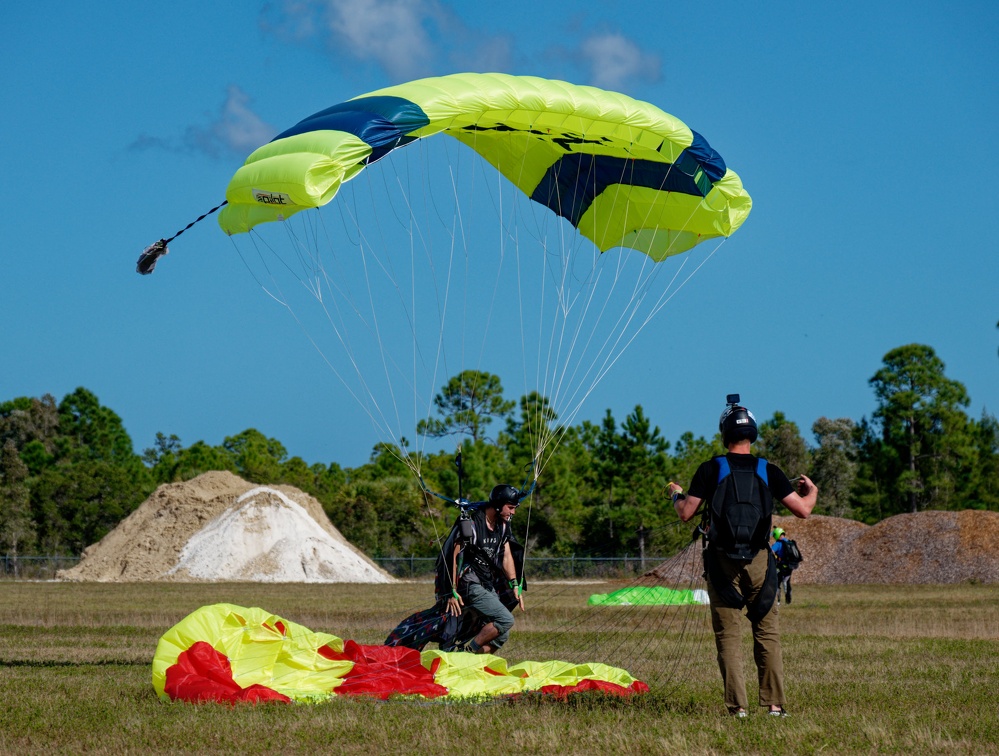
{"x": 504, "y": 623}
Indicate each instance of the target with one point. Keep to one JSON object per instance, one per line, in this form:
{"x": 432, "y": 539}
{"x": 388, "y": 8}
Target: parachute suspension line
{"x": 146, "y": 263}
{"x": 665, "y": 297}
{"x": 283, "y": 301}
{"x": 634, "y": 301}
{"x": 613, "y": 347}
{"x": 408, "y": 302}
{"x": 442, "y": 302}
{"x": 651, "y": 641}
{"x": 258, "y": 243}
{"x": 603, "y": 349}
{"x": 371, "y": 405}
{"x": 369, "y": 251}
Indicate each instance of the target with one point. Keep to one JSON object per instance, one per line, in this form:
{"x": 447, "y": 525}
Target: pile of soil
{"x": 925, "y": 547}
{"x": 219, "y": 527}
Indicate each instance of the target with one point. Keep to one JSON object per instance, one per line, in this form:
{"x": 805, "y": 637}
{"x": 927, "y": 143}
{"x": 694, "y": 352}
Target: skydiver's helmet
{"x": 778, "y": 532}
{"x": 737, "y": 424}
{"x": 504, "y": 494}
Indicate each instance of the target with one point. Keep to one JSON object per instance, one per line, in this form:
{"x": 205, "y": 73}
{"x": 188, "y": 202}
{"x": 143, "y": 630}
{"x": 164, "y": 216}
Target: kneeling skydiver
{"x": 483, "y": 561}
{"x": 456, "y": 621}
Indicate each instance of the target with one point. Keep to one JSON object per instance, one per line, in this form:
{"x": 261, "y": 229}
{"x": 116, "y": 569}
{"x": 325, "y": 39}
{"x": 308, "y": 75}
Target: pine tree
{"x": 17, "y": 529}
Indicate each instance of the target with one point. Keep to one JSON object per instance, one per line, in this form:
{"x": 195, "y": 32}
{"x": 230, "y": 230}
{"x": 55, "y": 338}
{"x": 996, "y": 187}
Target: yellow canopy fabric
{"x": 622, "y": 171}
{"x": 231, "y": 653}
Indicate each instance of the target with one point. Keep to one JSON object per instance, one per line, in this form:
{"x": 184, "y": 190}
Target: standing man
{"x": 482, "y": 562}
{"x": 739, "y": 490}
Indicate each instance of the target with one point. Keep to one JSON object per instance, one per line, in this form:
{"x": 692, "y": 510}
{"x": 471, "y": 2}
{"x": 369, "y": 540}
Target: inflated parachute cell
{"x": 622, "y": 171}
{"x": 227, "y": 653}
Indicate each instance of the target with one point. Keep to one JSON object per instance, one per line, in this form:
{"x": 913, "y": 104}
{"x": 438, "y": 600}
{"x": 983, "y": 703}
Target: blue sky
{"x": 865, "y": 132}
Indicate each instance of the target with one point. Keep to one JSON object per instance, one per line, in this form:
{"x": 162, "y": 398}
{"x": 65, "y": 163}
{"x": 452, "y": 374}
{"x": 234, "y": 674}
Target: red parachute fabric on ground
{"x": 564, "y": 691}
{"x": 203, "y": 674}
{"x": 382, "y": 671}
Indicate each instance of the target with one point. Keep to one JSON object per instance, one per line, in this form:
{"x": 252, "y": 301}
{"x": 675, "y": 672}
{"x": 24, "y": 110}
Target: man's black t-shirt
{"x": 484, "y": 555}
{"x": 706, "y": 478}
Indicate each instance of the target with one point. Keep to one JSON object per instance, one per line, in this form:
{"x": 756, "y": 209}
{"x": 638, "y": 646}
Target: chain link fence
{"x": 540, "y": 568}
{"x": 536, "y": 568}
{"x": 35, "y": 567}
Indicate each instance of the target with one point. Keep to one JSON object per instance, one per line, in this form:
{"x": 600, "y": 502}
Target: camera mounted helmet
{"x": 737, "y": 423}
{"x": 504, "y": 494}
{"x": 778, "y": 532}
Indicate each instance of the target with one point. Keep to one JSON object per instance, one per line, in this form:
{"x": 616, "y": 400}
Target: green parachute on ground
{"x": 652, "y": 595}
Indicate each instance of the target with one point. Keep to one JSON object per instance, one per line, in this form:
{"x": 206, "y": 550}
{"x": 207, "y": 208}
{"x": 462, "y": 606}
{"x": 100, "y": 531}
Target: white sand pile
{"x": 218, "y": 527}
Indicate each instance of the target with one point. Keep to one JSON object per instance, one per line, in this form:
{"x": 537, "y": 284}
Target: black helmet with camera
{"x": 737, "y": 423}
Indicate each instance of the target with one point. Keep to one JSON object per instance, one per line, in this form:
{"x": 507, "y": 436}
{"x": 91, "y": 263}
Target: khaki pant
{"x": 748, "y": 579}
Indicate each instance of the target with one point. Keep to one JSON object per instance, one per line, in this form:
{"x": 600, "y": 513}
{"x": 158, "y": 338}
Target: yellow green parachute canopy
{"x": 229, "y": 653}
{"x": 620, "y": 170}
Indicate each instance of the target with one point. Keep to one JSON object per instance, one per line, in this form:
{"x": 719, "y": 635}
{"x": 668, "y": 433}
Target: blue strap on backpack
{"x": 724, "y": 470}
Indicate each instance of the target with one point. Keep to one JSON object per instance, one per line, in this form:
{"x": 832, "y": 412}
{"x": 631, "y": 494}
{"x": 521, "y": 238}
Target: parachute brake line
{"x": 146, "y": 263}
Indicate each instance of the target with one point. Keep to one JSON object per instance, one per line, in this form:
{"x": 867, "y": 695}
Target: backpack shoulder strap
{"x": 761, "y": 470}
{"x": 723, "y": 468}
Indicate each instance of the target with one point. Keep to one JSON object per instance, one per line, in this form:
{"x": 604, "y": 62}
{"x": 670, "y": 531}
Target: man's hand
{"x": 520, "y": 597}
{"x": 454, "y": 604}
{"x": 805, "y": 485}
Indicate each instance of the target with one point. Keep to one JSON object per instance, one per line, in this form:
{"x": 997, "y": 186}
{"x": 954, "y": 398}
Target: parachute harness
{"x": 466, "y": 529}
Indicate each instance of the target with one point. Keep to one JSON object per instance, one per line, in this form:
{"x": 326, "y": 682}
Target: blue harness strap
{"x": 724, "y": 470}
{"x": 761, "y": 471}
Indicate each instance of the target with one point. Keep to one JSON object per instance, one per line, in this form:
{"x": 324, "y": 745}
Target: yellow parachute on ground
{"x": 228, "y": 653}
{"x": 622, "y": 171}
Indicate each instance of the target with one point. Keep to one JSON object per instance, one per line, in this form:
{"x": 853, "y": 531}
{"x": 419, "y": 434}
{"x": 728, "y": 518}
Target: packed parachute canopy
{"x": 622, "y": 171}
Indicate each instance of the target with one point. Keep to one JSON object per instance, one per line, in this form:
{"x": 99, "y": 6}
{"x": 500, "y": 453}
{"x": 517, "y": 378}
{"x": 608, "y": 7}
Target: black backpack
{"x": 741, "y": 510}
{"x": 790, "y": 554}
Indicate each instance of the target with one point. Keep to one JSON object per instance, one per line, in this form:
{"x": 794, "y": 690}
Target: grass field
{"x": 888, "y": 669}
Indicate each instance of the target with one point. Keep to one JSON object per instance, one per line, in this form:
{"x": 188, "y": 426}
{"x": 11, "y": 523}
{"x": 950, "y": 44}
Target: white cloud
{"x": 238, "y": 129}
{"x": 405, "y": 38}
{"x": 614, "y": 59}
{"x": 392, "y": 33}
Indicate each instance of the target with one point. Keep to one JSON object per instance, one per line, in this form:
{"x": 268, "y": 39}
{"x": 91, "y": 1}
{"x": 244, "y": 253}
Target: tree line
{"x": 69, "y": 473}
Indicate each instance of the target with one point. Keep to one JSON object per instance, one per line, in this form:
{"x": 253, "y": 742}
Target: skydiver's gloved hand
{"x": 454, "y": 604}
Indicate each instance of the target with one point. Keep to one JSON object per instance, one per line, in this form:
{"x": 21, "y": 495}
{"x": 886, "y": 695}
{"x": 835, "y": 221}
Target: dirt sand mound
{"x": 925, "y": 547}
{"x": 218, "y": 527}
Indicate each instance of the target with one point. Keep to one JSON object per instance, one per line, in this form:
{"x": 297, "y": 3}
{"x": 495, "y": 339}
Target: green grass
{"x": 888, "y": 669}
